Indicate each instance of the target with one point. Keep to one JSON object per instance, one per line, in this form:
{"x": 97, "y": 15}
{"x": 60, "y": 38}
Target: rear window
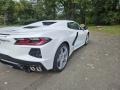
{"x": 48, "y": 23}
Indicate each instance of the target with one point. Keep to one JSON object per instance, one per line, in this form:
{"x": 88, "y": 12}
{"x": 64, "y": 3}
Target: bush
{"x": 108, "y": 18}
{"x": 26, "y": 21}
{"x": 1, "y": 20}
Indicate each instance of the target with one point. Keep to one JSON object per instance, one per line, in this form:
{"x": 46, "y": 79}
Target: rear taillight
{"x": 32, "y": 41}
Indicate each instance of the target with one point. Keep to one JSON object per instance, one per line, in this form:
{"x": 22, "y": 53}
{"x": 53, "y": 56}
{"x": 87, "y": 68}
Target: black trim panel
{"x": 5, "y": 59}
{"x": 35, "y": 52}
{"x": 75, "y": 39}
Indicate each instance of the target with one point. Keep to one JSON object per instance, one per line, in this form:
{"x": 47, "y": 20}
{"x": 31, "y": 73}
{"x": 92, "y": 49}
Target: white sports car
{"x": 44, "y": 45}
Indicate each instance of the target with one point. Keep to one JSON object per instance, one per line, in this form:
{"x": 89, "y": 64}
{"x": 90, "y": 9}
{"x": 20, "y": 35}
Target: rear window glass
{"x": 48, "y": 23}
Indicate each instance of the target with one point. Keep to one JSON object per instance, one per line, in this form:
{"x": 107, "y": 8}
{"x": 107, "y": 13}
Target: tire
{"x": 61, "y": 58}
{"x": 87, "y": 39}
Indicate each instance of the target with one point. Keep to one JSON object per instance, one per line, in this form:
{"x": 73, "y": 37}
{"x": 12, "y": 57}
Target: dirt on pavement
{"x": 92, "y": 67}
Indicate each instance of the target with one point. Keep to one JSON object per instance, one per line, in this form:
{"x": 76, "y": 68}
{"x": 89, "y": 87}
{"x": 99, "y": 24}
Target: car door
{"x": 80, "y": 36}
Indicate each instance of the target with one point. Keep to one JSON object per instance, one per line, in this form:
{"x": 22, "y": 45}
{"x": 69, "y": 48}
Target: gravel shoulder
{"x": 92, "y": 67}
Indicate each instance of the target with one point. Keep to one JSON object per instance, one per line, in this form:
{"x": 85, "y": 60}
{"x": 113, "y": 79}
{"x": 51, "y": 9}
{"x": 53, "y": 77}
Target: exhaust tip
{"x": 38, "y": 69}
{"x": 32, "y": 68}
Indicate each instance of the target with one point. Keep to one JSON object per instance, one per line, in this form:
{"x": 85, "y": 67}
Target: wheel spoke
{"x": 63, "y": 56}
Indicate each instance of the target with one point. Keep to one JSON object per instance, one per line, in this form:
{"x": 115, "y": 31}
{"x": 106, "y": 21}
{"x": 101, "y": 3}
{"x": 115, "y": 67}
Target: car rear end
{"x": 26, "y": 52}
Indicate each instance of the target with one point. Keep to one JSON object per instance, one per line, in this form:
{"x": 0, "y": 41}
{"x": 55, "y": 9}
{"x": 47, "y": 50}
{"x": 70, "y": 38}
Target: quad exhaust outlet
{"x": 35, "y": 68}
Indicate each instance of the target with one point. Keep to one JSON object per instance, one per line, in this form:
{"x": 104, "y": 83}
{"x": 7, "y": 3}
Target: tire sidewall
{"x": 55, "y": 63}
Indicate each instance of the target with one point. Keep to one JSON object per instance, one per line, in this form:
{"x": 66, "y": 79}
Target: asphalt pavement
{"x": 92, "y": 67}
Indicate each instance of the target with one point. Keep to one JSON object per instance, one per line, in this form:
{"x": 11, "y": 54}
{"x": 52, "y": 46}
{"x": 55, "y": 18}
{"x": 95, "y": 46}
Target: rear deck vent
{"x": 4, "y": 34}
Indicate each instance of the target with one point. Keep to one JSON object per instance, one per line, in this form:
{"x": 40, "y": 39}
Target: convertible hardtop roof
{"x": 44, "y": 23}
{"x": 57, "y": 21}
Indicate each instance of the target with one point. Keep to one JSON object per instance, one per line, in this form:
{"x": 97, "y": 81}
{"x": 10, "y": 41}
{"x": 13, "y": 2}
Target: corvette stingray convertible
{"x": 43, "y": 45}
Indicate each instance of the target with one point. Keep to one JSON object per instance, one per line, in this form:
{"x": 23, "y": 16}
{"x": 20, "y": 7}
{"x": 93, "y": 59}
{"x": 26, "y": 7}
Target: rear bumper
{"x": 28, "y": 55}
{"x": 5, "y": 59}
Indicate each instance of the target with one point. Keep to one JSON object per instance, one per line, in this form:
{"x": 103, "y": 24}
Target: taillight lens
{"x": 32, "y": 41}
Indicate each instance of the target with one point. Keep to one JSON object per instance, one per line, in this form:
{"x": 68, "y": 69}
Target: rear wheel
{"x": 61, "y": 58}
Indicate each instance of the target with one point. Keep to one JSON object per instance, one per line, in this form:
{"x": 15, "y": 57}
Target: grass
{"x": 112, "y": 30}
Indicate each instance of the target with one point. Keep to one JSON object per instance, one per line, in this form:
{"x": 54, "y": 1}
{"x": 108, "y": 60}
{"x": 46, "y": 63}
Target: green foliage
{"x": 106, "y": 11}
{"x": 7, "y": 9}
{"x": 46, "y": 9}
{"x": 1, "y": 19}
{"x": 98, "y": 12}
{"x": 24, "y": 12}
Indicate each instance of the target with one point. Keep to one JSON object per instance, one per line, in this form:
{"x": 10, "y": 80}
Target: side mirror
{"x": 84, "y": 27}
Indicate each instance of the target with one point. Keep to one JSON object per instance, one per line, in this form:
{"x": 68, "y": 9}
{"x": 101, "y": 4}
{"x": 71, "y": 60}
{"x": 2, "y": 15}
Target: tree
{"x": 83, "y": 11}
{"x": 46, "y": 9}
{"x": 7, "y": 9}
{"x": 104, "y": 11}
{"x": 24, "y": 12}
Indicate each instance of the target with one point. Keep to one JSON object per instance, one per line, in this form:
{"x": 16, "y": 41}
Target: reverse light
{"x": 32, "y": 41}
